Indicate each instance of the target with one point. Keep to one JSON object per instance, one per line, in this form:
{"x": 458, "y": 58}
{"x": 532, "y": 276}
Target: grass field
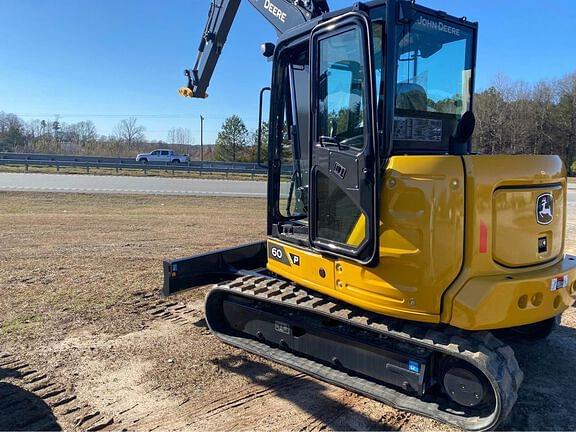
{"x": 79, "y": 276}
{"x": 63, "y": 243}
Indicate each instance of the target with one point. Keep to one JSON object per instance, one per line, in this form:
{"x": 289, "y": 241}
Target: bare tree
{"x": 57, "y": 136}
{"x": 81, "y": 133}
{"x": 128, "y": 132}
{"x": 567, "y": 119}
{"x": 39, "y": 136}
{"x": 516, "y": 117}
{"x": 180, "y": 136}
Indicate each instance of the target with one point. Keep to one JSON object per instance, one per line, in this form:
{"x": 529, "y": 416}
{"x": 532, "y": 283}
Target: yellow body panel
{"x": 458, "y": 244}
{"x": 309, "y": 269}
{"x": 490, "y": 302}
{"x": 421, "y": 230}
{"x": 379, "y": 299}
{"x": 485, "y": 177}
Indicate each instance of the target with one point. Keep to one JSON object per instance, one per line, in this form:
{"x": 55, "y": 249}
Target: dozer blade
{"x": 469, "y": 380}
{"x": 213, "y": 267}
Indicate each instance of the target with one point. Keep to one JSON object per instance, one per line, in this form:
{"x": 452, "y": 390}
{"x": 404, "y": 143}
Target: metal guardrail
{"x": 94, "y": 162}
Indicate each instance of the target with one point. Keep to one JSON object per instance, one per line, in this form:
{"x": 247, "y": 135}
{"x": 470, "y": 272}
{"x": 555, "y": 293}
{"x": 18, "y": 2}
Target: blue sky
{"x": 106, "y": 60}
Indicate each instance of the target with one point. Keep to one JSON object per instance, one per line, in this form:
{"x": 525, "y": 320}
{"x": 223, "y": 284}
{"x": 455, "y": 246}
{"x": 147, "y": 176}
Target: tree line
{"x": 512, "y": 117}
{"x": 82, "y": 138}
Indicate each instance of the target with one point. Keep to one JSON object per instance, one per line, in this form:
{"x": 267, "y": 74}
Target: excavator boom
{"x": 282, "y": 14}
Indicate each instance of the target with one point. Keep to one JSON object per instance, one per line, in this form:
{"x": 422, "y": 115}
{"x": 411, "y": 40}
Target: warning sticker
{"x": 281, "y": 327}
{"x": 559, "y": 282}
{"x": 417, "y": 129}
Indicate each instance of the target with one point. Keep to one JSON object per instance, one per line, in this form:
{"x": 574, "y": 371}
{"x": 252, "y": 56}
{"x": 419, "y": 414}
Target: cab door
{"x": 343, "y": 157}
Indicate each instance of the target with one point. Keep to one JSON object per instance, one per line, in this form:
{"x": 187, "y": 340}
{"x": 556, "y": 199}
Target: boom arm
{"x": 282, "y": 14}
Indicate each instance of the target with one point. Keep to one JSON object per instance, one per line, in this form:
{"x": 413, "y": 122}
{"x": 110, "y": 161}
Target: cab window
{"x": 434, "y": 82}
{"x": 340, "y": 99}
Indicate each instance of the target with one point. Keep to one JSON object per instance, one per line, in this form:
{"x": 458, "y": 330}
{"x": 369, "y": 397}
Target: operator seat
{"x": 411, "y": 96}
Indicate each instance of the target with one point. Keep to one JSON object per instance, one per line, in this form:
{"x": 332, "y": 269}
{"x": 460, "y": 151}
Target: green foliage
{"x": 448, "y": 105}
{"x": 346, "y": 120}
{"x": 286, "y": 150}
{"x": 232, "y": 141}
{"x": 254, "y": 146}
{"x": 12, "y": 132}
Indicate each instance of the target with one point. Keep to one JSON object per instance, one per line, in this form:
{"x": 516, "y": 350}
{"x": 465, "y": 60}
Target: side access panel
{"x": 421, "y": 237}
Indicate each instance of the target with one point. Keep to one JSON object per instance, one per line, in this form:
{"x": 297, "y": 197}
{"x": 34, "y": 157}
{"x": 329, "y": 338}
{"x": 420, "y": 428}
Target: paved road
{"x": 143, "y": 185}
{"x": 129, "y": 185}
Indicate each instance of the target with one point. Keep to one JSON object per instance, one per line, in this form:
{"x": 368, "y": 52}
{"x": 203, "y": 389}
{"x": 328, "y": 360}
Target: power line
{"x": 121, "y": 116}
{"x": 190, "y": 129}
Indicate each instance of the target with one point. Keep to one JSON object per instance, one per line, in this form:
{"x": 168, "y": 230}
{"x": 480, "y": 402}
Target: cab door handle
{"x": 328, "y": 141}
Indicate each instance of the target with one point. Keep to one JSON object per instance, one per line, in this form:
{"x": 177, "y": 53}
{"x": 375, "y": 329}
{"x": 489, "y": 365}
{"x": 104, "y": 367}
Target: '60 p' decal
{"x": 278, "y": 253}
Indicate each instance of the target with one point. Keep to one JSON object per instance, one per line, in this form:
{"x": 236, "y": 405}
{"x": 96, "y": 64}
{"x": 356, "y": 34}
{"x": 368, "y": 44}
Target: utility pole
{"x": 201, "y": 139}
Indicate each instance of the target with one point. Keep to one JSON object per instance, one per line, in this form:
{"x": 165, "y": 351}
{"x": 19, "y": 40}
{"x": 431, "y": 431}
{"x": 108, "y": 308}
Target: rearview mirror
{"x": 459, "y": 142}
{"x": 465, "y": 127}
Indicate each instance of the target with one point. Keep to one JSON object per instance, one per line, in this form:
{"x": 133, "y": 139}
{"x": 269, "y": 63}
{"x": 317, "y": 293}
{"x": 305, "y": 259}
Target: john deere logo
{"x": 545, "y": 209}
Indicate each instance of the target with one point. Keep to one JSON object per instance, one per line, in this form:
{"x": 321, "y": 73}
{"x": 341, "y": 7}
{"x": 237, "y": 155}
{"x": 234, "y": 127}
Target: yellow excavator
{"x": 396, "y": 259}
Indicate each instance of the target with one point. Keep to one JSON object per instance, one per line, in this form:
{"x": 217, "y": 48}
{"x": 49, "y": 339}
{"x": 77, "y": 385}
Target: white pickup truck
{"x": 161, "y": 156}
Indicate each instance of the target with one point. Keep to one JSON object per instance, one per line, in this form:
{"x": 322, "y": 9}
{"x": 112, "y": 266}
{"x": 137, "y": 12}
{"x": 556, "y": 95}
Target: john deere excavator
{"x": 394, "y": 254}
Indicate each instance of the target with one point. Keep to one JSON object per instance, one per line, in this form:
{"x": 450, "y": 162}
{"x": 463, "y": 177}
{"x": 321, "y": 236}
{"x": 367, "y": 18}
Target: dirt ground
{"x": 86, "y": 343}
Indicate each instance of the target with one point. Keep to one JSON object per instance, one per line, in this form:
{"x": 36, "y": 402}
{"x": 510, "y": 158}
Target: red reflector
{"x": 483, "y": 237}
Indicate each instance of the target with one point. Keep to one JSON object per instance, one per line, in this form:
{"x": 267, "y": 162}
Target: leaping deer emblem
{"x": 545, "y": 210}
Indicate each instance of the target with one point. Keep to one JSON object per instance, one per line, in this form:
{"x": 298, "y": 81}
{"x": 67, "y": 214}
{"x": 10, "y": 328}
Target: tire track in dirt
{"x": 187, "y": 314}
{"x": 258, "y": 408}
{"x": 321, "y": 406}
{"x": 178, "y": 312}
{"x": 240, "y": 400}
{"x": 316, "y": 423}
{"x": 32, "y": 400}
{"x": 236, "y": 399}
{"x": 267, "y": 402}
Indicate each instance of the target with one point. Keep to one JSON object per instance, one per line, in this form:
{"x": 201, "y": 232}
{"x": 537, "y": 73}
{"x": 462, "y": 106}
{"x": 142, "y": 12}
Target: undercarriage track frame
{"x": 482, "y": 350}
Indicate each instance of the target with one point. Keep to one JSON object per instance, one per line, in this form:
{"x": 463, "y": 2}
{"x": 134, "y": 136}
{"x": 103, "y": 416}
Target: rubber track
{"x": 492, "y": 357}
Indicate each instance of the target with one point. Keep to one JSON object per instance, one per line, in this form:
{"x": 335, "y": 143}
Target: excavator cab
{"x": 394, "y": 255}
{"x": 328, "y": 107}
{"x": 345, "y": 119}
